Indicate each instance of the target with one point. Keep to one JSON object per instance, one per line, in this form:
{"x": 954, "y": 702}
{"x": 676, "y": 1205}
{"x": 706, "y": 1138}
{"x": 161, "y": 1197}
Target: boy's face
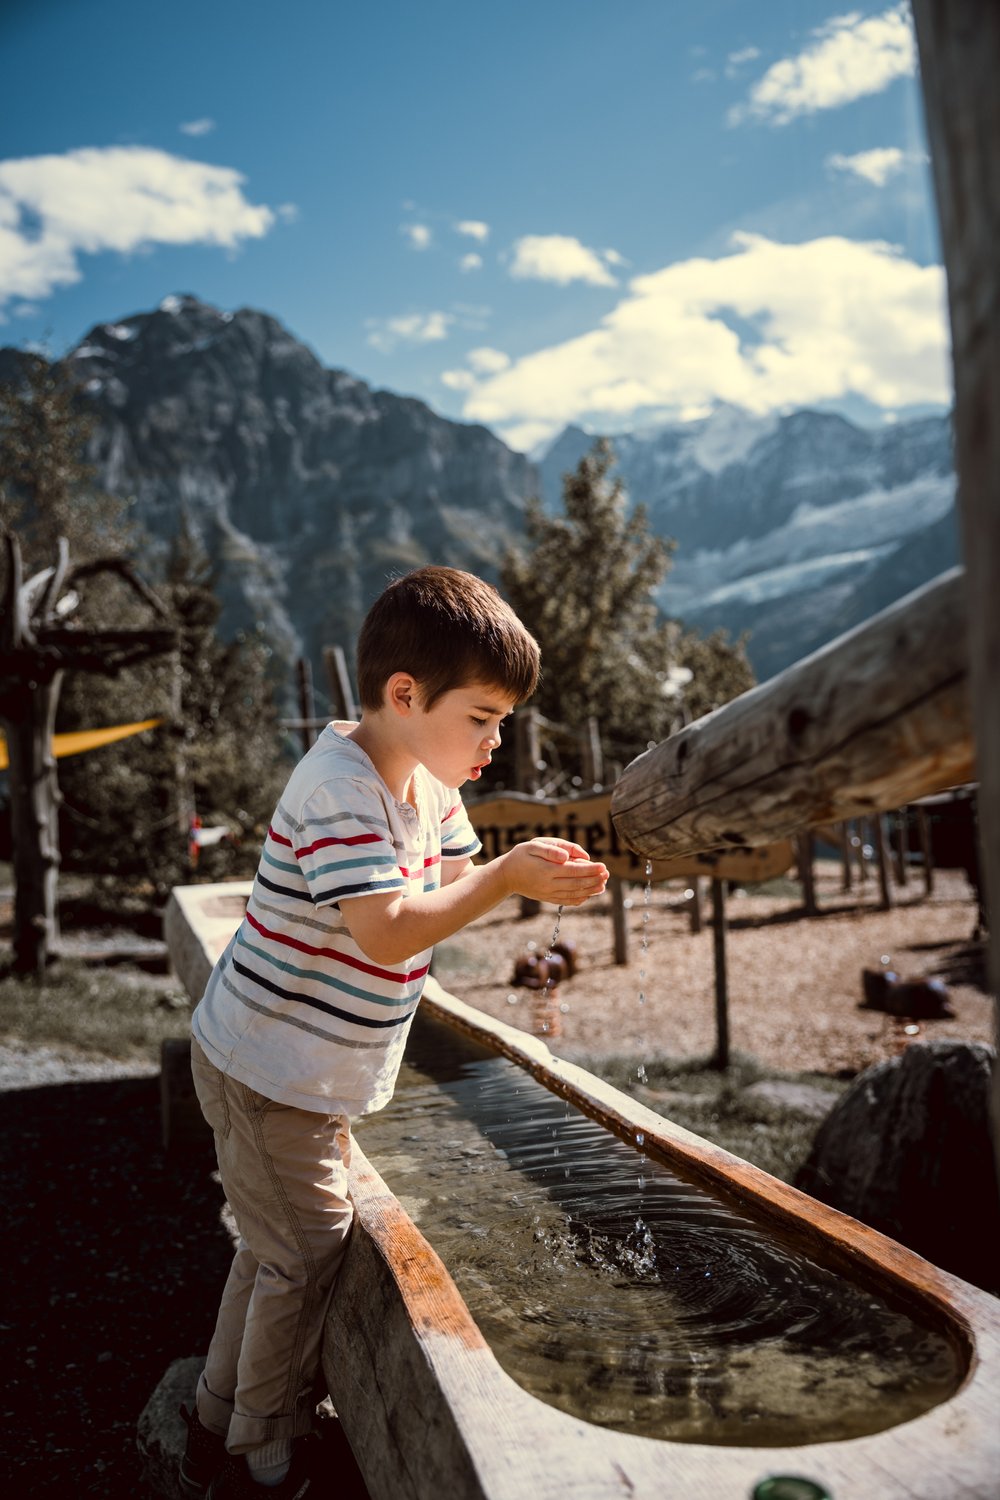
{"x": 456, "y": 737}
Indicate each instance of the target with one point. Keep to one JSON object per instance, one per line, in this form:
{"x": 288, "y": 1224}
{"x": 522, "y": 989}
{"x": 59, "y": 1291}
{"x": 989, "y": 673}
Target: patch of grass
{"x": 114, "y": 1012}
{"x": 714, "y": 1104}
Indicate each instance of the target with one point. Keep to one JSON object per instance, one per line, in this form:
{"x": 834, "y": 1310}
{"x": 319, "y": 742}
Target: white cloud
{"x": 409, "y": 328}
{"x": 288, "y": 212}
{"x": 204, "y": 126}
{"x": 121, "y": 198}
{"x": 875, "y": 166}
{"x": 419, "y": 235}
{"x": 851, "y": 56}
{"x": 474, "y": 228}
{"x": 471, "y": 262}
{"x": 767, "y": 327}
{"x": 458, "y": 380}
{"x": 487, "y": 361}
{"x": 559, "y": 258}
{"x": 737, "y": 60}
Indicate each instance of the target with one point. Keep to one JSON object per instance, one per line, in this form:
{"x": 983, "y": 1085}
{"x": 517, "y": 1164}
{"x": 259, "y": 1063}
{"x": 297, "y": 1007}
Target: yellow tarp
{"x": 86, "y": 739}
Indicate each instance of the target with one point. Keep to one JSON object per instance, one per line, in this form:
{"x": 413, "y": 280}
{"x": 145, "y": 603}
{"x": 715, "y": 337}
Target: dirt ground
{"x": 794, "y": 983}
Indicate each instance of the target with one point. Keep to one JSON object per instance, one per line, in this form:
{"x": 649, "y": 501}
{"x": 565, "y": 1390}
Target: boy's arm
{"x": 390, "y": 927}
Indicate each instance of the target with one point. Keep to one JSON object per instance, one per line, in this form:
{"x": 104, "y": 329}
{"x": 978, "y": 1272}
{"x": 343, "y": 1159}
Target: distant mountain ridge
{"x": 308, "y": 488}
{"x": 793, "y": 527}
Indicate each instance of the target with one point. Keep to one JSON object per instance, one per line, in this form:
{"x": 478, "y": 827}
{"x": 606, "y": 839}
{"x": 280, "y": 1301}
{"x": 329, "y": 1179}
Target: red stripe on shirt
{"x": 279, "y": 838}
{"x": 342, "y": 958}
{"x": 356, "y": 838}
{"x": 433, "y": 859}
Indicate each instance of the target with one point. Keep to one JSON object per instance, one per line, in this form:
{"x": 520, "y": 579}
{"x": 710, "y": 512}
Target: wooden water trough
{"x": 429, "y": 1411}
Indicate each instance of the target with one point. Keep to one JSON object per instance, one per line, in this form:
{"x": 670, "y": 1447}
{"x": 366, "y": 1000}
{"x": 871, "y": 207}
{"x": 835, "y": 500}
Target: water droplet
{"x": 639, "y": 1137}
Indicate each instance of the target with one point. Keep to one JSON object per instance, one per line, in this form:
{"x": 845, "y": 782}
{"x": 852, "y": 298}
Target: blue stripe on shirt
{"x": 314, "y": 1002}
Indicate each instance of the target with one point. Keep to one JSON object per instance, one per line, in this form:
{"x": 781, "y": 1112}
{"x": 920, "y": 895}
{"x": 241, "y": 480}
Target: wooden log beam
{"x": 959, "y": 46}
{"x": 876, "y": 718}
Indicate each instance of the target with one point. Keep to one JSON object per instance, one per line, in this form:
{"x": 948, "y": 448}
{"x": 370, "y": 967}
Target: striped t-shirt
{"x": 294, "y": 1007}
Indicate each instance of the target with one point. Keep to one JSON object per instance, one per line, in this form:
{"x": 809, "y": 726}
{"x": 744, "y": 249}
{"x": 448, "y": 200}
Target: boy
{"x": 367, "y": 864}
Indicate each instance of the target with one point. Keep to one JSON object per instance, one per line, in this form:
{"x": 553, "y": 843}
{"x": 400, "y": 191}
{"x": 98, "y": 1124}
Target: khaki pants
{"x": 284, "y": 1172}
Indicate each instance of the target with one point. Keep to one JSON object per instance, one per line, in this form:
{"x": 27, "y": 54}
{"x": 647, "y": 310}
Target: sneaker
{"x": 235, "y": 1482}
{"x": 204, "y": 1455}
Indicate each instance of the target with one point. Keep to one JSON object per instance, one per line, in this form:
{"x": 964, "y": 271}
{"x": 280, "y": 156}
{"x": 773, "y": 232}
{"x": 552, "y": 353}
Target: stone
{"x": 161, "y": 1433}
{"x": 908, "y": 1150}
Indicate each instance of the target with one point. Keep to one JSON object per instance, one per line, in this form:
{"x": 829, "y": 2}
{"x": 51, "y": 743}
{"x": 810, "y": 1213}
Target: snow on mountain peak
{"x": 727, "y": 436}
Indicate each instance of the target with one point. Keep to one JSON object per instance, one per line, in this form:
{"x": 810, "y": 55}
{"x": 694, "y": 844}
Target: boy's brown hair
{"x": 447, "y": 628}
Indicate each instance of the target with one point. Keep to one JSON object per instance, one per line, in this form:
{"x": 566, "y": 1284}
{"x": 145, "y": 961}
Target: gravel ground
{"x": 115, "y": 1255}
{"x": 794, "y": 984}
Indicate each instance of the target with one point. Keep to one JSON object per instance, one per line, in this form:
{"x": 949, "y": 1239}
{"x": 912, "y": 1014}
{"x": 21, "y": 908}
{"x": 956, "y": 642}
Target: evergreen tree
{"x": 584, "y": 586}
{"x": 126, "y": 807}
{"x": 47, "y": 486}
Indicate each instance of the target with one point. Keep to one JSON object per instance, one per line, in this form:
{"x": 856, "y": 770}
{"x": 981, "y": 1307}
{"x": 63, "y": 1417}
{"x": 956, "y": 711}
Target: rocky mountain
{"x": 794, "y": 528}
{"x": 307, "y": 488}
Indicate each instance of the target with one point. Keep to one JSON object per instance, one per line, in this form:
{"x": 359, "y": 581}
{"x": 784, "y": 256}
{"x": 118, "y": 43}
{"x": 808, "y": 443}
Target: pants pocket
{"x": 210, "y": 1086}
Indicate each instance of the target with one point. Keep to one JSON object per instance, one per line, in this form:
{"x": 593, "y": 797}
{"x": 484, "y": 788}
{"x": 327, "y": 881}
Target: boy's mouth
{"x": 477, "y": 771}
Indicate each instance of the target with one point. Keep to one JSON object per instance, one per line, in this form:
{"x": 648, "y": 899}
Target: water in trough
{"x": 616, "y": 1291}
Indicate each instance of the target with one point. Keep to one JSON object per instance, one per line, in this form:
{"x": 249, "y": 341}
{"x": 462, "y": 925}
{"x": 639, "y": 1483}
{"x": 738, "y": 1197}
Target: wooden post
{"x": 857, "y": 842}
{"x": 591, "y": 754}
{"x": 527, "y": 754}
{"x": 845, "y": 855}
{"x": 35, "y": 830}
{"x": 338, "y": 684}
{"x": 307, "y": 708}
{"x": 901, "y": 822}
{"x": 721, "y": 1058}
{"x": 694, "y": 904}
{"x": 926, "y": 849}
{"x": 959, "y": 45}
{"x": 618, "y": 918}
{"x": 882, "y": 859}
{"x": 527, "y": 751}
{"x": 804, "y": 850}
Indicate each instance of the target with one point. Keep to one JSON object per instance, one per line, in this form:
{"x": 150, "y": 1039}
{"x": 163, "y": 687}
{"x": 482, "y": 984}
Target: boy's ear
{"x": 401, "y": 693}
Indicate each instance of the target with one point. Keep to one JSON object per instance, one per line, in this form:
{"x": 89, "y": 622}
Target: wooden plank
{"x": 877, "y": 717}
{"x": 501, "y": 822}
{"x": 959, "y": 45}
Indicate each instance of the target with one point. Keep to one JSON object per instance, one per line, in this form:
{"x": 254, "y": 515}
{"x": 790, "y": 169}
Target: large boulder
{"x": 908, "y": 1150}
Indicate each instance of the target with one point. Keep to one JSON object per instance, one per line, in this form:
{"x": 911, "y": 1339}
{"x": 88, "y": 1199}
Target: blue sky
{"x": 525, "y": 215}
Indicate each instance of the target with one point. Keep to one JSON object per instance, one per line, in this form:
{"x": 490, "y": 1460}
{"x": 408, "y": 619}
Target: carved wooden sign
{"x": 506, "y": 820}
